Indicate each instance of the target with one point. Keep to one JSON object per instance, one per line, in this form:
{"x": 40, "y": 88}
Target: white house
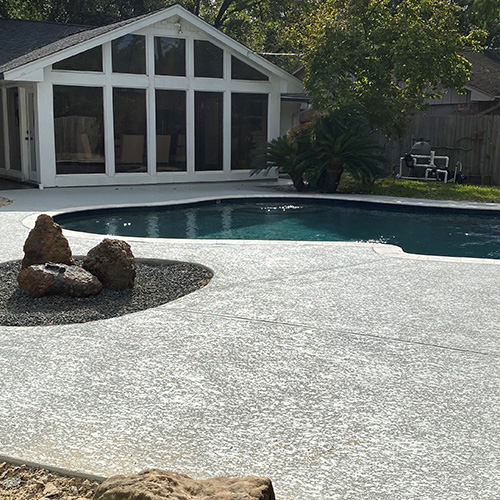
{"x": 159, "y": 98}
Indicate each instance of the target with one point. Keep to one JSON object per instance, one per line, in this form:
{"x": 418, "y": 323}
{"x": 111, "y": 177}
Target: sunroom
{"x": 158, "y": 99}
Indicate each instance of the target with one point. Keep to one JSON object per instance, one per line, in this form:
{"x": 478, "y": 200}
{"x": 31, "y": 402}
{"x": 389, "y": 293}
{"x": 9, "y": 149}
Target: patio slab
{"x": 339, "y": 371}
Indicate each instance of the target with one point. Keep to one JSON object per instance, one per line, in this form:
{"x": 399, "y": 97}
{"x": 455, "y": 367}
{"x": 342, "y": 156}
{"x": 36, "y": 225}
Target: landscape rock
{"x": 113, "y": 263}
{"x": 46, "y": 243}
{"x": 155, "y": 484}
{"x": 58, "y": 279}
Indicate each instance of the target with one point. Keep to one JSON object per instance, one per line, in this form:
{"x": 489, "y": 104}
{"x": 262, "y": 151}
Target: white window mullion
{"x": 151, "y": 106}
{"x": 109, "y": 132}
{"x": 226, "y": 131}
{"x": 226, "y": 125}
{"x": 190, "y": 117}
{"x": 190, "y": 111}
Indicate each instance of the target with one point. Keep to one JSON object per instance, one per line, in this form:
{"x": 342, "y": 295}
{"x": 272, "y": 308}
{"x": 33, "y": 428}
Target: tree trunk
{"x": 330, "y": 178}
{"x": 298, "y": 183}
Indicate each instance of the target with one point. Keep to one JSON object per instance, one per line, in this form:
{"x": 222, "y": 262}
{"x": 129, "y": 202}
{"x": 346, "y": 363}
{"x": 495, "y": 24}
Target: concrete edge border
{"x": 50, "y": 468}
{"x": 387, "y": 250}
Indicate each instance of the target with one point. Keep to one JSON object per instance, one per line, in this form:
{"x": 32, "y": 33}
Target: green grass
{"x": 421, "y": 189}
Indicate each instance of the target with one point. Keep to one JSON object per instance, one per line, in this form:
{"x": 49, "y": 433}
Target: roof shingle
{"x": 23, "y": 41}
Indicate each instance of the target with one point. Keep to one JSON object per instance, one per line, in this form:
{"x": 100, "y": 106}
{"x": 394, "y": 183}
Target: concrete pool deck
{"x": 341, "y": 371}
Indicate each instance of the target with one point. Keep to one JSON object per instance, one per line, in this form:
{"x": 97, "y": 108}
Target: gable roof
{"x": 485, "y": 75}
{"x": 19, "y": 36}
{"x": 39, "y": 39}
{"x": 65, "y": 46}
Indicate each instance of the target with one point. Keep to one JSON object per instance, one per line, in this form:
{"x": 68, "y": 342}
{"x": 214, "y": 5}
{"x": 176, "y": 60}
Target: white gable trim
{"x": 479, "y": 95}
{"x": 22, "y": 73}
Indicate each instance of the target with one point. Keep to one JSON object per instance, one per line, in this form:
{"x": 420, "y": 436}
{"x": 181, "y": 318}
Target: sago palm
{"x": 342, "y": 141}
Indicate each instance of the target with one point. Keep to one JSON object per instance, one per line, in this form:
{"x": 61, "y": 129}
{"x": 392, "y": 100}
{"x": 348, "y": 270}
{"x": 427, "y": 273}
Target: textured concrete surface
{"x": 342, "y": 371}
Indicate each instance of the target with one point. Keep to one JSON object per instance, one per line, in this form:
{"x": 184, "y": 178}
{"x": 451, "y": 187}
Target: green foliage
{"x": 484, "y": 15}
{"x": 343, "y": 140}
{"x": 287, "y": 158}
{"x": 384, "y": 55}
{"x": 319, "y": 152}
{"x": 90, "y": 12}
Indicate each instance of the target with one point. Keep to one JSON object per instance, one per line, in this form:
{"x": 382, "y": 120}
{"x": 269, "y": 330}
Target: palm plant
{"x": 320, "y": 151}
{"x": 280, "y": 153}
{"x": 342, "y": 141}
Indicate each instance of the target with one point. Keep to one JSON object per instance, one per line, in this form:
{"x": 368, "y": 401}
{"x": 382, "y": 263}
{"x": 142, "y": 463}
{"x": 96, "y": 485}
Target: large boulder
{"x": 113, "y": 263}
{"x": 58, "y": 279}
{"x": 46, "y": 243}
{"x": 155, "y": 484}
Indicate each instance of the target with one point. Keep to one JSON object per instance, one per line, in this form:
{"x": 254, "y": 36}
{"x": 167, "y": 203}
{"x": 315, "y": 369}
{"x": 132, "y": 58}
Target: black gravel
{"x": 156, "y": 283}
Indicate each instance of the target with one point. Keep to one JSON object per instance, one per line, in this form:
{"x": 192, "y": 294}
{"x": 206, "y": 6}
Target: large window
{"x": 129, "y": 54}
{"x": 170, "y": 56}
{"x": 90, "y": 60}
{"x": 208, "y": 60}
{"x": 79, "y": 129}
{"x": 208, "y": 130}
{"x": 2, "y": 142}
{"x": 242, "y": 71}
{"x": 170, "y": 130}
{"x": 248, "y": 128}
{"x": 129, "y": 112}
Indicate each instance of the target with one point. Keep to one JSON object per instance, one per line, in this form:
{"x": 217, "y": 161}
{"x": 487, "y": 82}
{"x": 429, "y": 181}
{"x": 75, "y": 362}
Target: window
{"x": 79, "y": 130}
{"x": 129, "y": 54}
{"x": 242, "y": 71}
{"x": 208, "y": 130}
{"x": 90, "y": 60}
{"x": 14, "y": 128}
{"x": 208, "y": 60}
{"x": 248, "y": 128}
{"x": 170, "y": 130}
{"x": 170, "y": 56}
{"x": 129, "y": 112}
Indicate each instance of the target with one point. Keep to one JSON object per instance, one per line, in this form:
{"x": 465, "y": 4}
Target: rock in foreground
{"x": 113, "y": 263}
{"x": 46, "y": 243}
{"x": 58, "y": 279}
{"x": 155, "y": 484}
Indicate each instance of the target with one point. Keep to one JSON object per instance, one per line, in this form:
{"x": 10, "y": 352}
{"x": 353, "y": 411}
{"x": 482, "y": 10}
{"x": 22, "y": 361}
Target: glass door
{"x": 14, "y": 128}
{"x": 31, "y": 136}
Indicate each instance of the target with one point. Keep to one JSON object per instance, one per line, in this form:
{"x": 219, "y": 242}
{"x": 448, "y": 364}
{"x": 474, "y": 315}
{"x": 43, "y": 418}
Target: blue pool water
{"x": 417, "y": 230}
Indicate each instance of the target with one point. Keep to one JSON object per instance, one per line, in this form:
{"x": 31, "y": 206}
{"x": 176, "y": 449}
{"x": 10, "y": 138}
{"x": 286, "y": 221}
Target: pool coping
{"x": 386, "y": 250}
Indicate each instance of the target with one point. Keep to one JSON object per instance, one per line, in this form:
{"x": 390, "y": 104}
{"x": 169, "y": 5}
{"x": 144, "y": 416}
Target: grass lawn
{"x": 422, "y": 189}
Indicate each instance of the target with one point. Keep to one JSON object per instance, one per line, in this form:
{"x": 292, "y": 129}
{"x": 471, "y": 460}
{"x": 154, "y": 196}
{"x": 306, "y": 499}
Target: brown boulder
{"x": 58, "y": 279}
{"x": 155, "y": 484}
{"x": 113, "y": 263}
{"x": 46, "y": 243}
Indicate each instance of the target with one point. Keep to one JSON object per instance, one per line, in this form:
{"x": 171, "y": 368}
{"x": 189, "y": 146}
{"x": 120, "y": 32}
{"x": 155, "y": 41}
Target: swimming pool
{"x": 422, "y": 230}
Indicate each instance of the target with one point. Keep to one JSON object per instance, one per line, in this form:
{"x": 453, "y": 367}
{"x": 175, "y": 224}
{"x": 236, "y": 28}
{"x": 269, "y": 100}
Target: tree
{"x": 318, "y": 152}
{"x": 387, "y": 56}
{"x": 484, "y": 14}
{"x": 90, "y": 12}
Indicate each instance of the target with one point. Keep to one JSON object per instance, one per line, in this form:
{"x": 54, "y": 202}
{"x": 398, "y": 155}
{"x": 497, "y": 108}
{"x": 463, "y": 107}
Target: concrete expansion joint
{"x": 338, "y": 332}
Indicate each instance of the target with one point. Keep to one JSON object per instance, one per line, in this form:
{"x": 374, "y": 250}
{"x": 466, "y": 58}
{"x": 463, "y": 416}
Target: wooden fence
{"x": 472, "y": 140}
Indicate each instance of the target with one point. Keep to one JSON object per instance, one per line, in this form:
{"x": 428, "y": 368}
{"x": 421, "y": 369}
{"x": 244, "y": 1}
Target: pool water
{"x": 428, "y": 231}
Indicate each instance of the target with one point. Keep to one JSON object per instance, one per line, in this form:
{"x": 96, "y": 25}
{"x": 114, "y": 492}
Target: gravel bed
{"x": 156, "y": 283}
{"x": 19, "y": 482}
